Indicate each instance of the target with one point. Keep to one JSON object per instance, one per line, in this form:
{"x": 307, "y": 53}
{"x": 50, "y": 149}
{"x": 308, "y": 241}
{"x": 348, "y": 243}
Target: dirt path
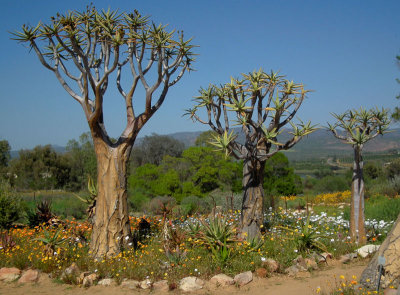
{"x": 278, "y": 284}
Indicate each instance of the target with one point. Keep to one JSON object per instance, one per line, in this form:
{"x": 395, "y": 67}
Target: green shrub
{"x": 329, "y": 184}
{"x": 379, "y": 208}
{"x": 10, "y": 206}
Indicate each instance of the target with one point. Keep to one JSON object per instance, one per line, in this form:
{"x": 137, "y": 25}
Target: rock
{"x": 300, "y": 263}
{"x": 271, "y": 265}
{"x": 72, "y": 269}
{"x": 243, "y": 278}
{"x": 366, "y": 250}
{"x": 324, "y": 257}
{"x": 292, "y": 270}
{"x": 82, "y": 277}
{"x": 145, "y": 284}
{"x": 390, "y": 251}
{"x": 310, "y": 264}
{"x": 347, "y": 257}
{"x": 9, "y": 274}
{"x": 106, "y": 282}
{"x": 222, "y": 280}
{"x": 71, "y": 274}
{"x": 161, "y": 286}
{"x": 191, "y": 284}
{"x": 89, "y": 280}
{"x": 261, "y": 272}
{"x": 30, "y": 276}
{"x": 130, "y": 284}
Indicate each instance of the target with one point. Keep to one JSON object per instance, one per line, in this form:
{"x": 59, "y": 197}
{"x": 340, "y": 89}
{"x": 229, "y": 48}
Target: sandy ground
{"x": 277, "y": 284}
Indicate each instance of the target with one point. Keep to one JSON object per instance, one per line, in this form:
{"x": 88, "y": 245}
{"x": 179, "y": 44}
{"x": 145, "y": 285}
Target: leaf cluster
{"x": 360, "y": 125}
{"x": 261, "y": 103}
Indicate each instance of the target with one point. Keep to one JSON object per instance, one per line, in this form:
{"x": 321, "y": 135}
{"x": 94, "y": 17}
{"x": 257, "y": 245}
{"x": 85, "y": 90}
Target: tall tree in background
{"x": 357, "y": 127}
{"x": 82, "y": 160}
{"x": 153, "y": 148}
{"x": 255, "y": 100}
{"x": 89, "y": 49}
{"x": 4, "y": 155}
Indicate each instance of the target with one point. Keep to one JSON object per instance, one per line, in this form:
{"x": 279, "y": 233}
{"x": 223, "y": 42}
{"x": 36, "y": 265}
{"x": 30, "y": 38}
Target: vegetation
{"x": 360, "y": 126}
{"x": 256, "y": 97}
{"x": 11, "y": 207}
{"x": 83, "y": 50}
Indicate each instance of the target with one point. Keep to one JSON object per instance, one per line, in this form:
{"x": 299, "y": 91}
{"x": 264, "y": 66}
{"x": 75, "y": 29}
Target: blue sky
{"x": 343, "y": 50}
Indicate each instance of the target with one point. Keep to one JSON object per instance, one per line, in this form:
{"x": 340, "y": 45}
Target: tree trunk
{"x": 390, "y": 251}
{"x": 253, "y": 199}
{"x": 111, "y": 228}
{"x": 357, "y": 228}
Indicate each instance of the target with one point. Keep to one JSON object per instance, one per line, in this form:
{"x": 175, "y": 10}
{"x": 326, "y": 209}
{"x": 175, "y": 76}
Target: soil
{"x": 325, "y": 278}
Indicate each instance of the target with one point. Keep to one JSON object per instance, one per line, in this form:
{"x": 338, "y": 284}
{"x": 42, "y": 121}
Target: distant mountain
{"x": 57, "y": 148}
{"x": 319, "y": 144}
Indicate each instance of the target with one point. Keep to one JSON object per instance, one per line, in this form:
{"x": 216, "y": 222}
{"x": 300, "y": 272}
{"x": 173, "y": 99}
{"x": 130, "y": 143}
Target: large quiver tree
{"x": 85, "y": 51}
{"x": 262, "y": 104}
{"x": 357, "y": 127}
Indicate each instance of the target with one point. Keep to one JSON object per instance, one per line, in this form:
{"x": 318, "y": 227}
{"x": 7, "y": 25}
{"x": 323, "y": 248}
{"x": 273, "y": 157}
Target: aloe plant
{"x": 91, "y": 199}
{"x": 51, "y": 241}
{"x": 262, "y": 104}
{"x": 220, "y": 236}
{"x": 307, "y": 238}
{"x": 86, "y": 51}
{"x": 357, "y": 127}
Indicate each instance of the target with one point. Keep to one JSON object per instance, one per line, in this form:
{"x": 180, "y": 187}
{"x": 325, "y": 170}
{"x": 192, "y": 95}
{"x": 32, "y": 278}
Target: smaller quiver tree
{"x": 262, "y": 104}
{"x": 357, "y": 127}
{"x": 87, "y": 51}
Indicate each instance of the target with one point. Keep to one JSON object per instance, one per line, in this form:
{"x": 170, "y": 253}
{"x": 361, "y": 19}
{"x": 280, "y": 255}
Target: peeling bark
{"x": 357, "y": 227}
{"x": 390, "y": 250}
{"x": 111, "y": 228}
{"x": 253, "y": 199}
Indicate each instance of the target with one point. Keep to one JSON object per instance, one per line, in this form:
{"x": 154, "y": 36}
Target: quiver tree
{"x": 86, "y": 51}
{"x": 262, "y": 104}
{"x": 356, "y": 127}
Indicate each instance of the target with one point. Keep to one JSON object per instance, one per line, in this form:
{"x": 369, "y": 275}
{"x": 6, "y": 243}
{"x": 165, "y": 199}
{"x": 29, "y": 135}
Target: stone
{"x": 162, "y": 286}
{"x": 261, "y": 272}
{"x": 347, "y": 257}
{"x": 130, "y": 284}
{"x": 189, "y": 284}
{"x": 106, "y": 282}
{"x": 145, "y": 284}
{"x": 243, "y": 278}
{"x": 300, "y": 263}
{"x": 271, "y": 265}
{"x": 222, "y": 280}
{"x": 82, "y": 276}
{"x": 366, "y": 250}
{"x": 89, "y": 280}
{"x": 292, "y": 270}
{"x": 71, "y": 274}
{"x": 9, "y": 274}
{"x": 30, "y": 276}
{"x": 311, "y": 264}
{"x": 390, "y": 251}
{"x": 324, "y": 257}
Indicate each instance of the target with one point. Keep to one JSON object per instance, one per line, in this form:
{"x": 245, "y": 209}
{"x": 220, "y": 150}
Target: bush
{"x": 10, "y": 206}
{"x": 330, "y": 184}
{"x": 193, "y": 204}
{"x": 159, "y": 205}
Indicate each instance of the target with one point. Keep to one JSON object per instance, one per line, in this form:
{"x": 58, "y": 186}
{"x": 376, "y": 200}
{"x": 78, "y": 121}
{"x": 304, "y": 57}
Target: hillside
{"x": 319, "y": 144}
